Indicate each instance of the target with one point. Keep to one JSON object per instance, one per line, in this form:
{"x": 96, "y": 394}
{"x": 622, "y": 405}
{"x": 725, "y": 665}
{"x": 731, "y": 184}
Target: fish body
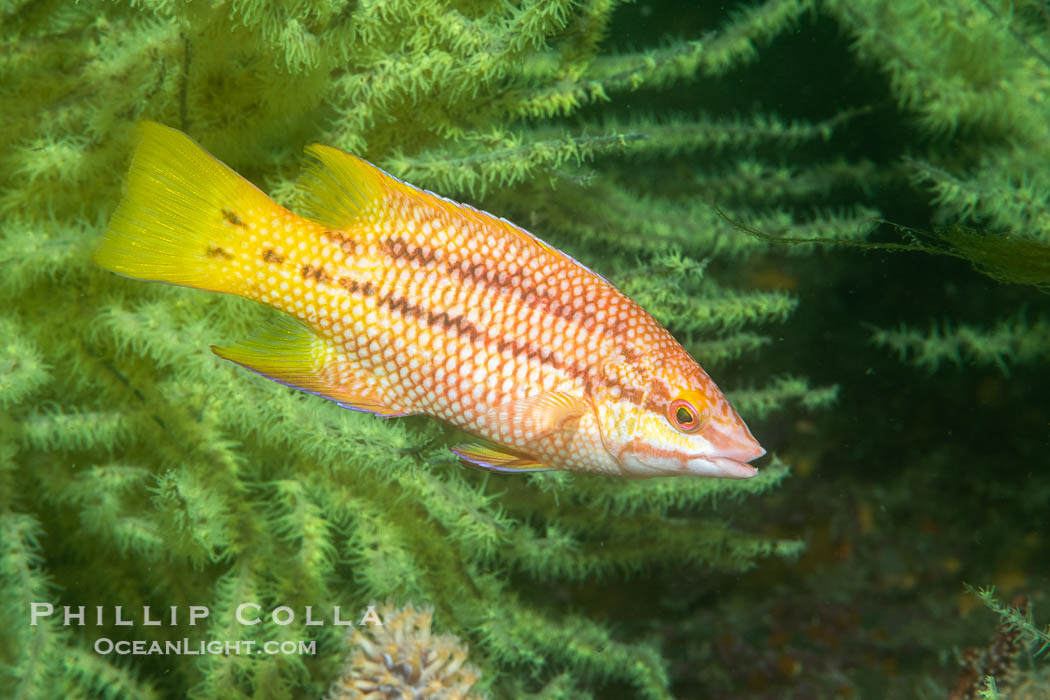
{"x": 401, "y": 302}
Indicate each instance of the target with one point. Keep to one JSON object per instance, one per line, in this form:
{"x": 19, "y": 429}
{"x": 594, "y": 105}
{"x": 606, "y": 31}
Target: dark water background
{"x": 915, "y": 482}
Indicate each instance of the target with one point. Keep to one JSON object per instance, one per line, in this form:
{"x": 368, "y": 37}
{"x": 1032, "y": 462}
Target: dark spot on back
{"x": 344, "y": 241}
{"x": 354, "y": 287}
{"x": 232, "y": 217}
{"x": 269, "y": 256}
{"x": 218, "y": 252}
{"x": 317, "y": 274}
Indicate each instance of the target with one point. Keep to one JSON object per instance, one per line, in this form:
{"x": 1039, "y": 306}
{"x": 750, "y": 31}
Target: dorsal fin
{"x": 336, "y": 188}
{"x": 491, "y": 220}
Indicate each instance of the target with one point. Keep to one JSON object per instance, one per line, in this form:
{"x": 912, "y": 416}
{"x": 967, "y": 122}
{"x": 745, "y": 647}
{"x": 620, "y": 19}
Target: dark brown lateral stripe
{"x": 458, "y": 324}
{"x": 517, "y": 347}
{"x": 548, "y": 300}
{"x": 353, "y": 286}
{"x": 400, "y": 249}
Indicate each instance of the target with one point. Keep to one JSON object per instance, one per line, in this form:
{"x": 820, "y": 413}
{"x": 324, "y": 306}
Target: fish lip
{"x": 713, "y": 467}
{"x": 721, "y": 467}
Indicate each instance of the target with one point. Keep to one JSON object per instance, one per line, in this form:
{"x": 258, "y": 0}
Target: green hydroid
{"x": 139, "y": 469}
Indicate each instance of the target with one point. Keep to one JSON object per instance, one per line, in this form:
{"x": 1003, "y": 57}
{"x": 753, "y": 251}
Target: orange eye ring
{"x": 684, "y": 416}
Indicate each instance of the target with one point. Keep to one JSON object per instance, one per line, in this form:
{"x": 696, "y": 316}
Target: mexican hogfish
{"x": 401, "y": 302}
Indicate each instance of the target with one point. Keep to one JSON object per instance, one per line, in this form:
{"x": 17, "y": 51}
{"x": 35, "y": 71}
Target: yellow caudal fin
{"x": 336, "y": 188}
{"x": 290, "y": 352}
{"x": 184, "y": 216}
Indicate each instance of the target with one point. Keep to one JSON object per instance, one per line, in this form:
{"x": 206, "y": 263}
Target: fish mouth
{"x": 733, "y": 447}
{"x": 726, "y": 456}
{"x": 721, "y": 467}
{"x": 714, "y": 467}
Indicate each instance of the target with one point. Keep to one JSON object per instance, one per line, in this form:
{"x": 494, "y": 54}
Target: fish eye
{"x": 684, "y": 416}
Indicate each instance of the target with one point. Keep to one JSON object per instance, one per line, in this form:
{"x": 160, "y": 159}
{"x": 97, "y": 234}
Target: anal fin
{"x": 498, "y": 459}
{"x": 290, "y": 352}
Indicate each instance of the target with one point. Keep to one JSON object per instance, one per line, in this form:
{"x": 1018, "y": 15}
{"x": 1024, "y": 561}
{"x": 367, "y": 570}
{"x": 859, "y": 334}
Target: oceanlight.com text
{"x": 187, "y": 647}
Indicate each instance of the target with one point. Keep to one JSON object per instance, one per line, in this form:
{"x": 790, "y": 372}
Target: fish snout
{"x": 733, "y": 441}
{"x": 730, "y": 449}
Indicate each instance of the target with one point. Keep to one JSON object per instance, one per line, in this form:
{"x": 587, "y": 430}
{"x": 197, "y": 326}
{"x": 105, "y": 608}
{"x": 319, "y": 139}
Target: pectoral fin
{"x": 500, "y": 459}
{"x": 540, "y": 415}
{"x": 290, "y": 352}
